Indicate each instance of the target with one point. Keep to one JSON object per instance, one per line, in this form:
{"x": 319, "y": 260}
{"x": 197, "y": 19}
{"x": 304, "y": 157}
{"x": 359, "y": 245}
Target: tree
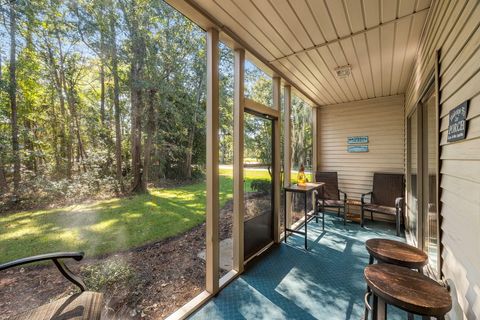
{"x": 116, "y": 94}
{"x": 13, "y": 98}
{"x": 132, "y": 12}
{"x": 103, "y": 89}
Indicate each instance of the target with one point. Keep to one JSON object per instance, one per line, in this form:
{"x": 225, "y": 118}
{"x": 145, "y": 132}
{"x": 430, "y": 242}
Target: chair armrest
{"x": 317, "y": 195}
{"x": 42, "y": 257}
{"x": 399, "y": 202}
{"x": 364, "y": 195}
{"x": 344, "y": 195}
{"x": 56, "y": 258}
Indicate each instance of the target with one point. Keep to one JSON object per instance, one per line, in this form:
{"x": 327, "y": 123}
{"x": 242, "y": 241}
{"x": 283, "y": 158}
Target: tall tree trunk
{"x": 3, "y": 179}
{"x": 31, "y": 161}
{"x": 116, "y": 103}
{"x": 191, "y": 136}
{"x": 55, "y": 145}
{"x": 72, "y": 106}
{"x": 150, "y": 132}
{"x": 66, "y": 139}
{"x": 102, "y": 81}
{"x": 102, "y": 94}
{"x": 136, "y": 132}
{"x": 13, "y": 98}
{"x": 136, "y": 79}
{"x": 72, "y": 119}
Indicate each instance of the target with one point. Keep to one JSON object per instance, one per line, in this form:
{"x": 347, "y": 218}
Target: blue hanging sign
{"x": 354, "y": 149}
{"x": 357, "y": 140}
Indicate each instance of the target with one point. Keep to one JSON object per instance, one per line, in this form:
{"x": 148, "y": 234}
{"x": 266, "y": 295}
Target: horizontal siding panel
{"x": 469, "y": 150}
{"x": 467, "y": 91}
{"x": 387, "y": 150}
{"x": 467, "y": 74}
{"x": 341, "y": 156}
{"x": 464, "y": 169}
{"x": 467, "y": 191}
{"x": 382, "y": 120}
{"x": 459, "y": 272}
{"x": 454, "y": 244}
{"x": 374, "y": 136}
{"x": 375, "y": 167}
{"x": 449, "y": 69}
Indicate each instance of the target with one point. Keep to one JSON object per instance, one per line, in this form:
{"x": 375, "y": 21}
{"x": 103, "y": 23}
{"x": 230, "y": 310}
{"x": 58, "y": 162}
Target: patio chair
{"x": 331, "y": 196}
{"x": 386, "y": 197}
{"x": 84, "y": 305}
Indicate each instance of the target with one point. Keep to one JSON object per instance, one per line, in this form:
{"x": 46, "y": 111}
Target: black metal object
{"x": 331, "y": 197}
{"x": 307, "y": 218}
{"x": 57, "y": 260}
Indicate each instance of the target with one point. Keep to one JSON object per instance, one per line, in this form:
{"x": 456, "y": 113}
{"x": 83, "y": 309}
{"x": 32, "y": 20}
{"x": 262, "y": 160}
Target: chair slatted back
{"x": 386, "y": 188}
{"x": 331, "y": 184}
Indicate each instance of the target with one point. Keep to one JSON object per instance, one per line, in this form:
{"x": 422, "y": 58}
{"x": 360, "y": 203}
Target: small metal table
{"x": 305, "y": 189}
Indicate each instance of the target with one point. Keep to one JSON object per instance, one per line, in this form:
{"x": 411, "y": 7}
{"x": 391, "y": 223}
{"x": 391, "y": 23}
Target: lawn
{"x": 111, "y": 225}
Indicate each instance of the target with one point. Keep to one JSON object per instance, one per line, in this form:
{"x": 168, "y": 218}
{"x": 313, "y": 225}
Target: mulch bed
{"x": 166, "y": 275}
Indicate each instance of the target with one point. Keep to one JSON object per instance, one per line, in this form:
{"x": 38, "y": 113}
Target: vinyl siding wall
{"x": 453, "y": 27}
{"x": 382, "y": 120}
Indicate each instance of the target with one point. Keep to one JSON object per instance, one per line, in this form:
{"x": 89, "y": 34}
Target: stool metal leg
{"x": 381, "y": 309}
{"x": 370, "y": 261}
{"x": 375, "y": 307}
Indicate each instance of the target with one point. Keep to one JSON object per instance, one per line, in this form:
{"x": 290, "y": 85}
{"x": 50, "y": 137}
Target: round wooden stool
{"x": 394, "y": 252}
{"x": 397, "y": 253}
{"x": 406, "y": 289}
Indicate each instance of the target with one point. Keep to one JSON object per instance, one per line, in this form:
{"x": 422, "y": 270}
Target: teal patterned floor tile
{"x": 287, "y": 282}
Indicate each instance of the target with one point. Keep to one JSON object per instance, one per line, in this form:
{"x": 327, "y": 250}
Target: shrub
{"x": 262, "y": 186}
{"x": 106, "y": 275}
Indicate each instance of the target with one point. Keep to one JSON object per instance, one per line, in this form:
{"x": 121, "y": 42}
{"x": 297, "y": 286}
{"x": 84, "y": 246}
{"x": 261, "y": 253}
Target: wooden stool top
{"x": 396, "y": 252}
{"x": 408, "y": 290}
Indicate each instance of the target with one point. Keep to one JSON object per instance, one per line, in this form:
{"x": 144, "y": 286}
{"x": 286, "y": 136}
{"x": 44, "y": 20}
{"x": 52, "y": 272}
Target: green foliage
{"x": 302, "y": 139}
{"x": 262, "y": 186}
{"x": 67, "y": 123}
{"x": 105, "y": 275}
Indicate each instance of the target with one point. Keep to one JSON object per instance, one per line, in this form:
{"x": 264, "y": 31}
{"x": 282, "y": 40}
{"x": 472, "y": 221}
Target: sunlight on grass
{"x": 108, "y": 226}
{"x": 104, "y": 225}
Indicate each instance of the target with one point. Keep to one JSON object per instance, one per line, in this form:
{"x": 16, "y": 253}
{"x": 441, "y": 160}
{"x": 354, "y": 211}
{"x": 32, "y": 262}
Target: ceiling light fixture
{"x": 343, "y": 71}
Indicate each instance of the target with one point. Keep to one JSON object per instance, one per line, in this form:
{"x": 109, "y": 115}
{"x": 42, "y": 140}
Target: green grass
{"x": 111, "y": 225}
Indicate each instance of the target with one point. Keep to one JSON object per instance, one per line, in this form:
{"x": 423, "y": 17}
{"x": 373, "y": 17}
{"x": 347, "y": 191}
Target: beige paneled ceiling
{"x": 307, "y": 39}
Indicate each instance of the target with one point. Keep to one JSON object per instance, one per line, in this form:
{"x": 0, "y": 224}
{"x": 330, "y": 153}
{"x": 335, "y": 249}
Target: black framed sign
{"x": 457, "y": 123}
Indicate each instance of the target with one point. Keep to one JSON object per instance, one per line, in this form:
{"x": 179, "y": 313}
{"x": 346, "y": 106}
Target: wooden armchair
{"x": 386, "y": 197}
{"x": 331, "y": 198}
{"x": 82, "y": 306}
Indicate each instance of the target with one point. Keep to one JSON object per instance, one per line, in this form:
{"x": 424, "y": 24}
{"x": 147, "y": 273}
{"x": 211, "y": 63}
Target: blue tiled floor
{"x": 287, "y": 282}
